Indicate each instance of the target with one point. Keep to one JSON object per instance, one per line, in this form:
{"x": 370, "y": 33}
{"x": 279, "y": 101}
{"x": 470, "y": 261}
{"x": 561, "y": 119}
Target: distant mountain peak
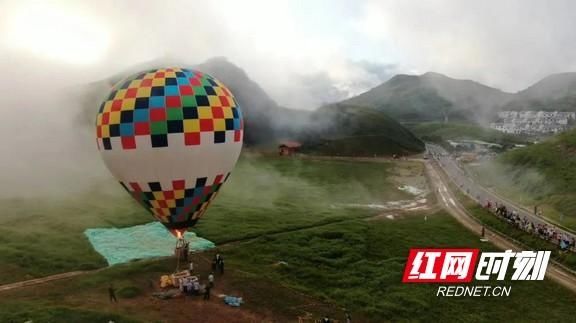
{"x": 434, "y": 74}
{"x": 433, "y": 96}
{"x": 551, "y": 87}
{"x": 560, "y": 76}
{"x": 556, "y": 92}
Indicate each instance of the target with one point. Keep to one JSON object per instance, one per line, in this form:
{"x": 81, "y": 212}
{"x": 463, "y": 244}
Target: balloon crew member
{"x": 112, "y": 294}
{"x": 207, "y": 292}
{"x": 211, "y": 280}
{"x": 221, "y": 266}
{"x": 218, "y": 263}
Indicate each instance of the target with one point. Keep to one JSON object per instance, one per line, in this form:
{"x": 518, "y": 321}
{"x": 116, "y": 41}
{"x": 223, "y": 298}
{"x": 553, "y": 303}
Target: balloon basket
{"x": 181, "y": 252}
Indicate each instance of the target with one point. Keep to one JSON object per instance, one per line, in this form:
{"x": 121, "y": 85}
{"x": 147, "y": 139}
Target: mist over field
{"x": 51, "y": 93}
{"x": 369, "y": 128}
{"x": 515, "y": 178}
{"x": 47, "y": 150}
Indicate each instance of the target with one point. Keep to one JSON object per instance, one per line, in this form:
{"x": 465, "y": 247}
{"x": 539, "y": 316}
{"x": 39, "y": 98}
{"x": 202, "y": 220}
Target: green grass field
{"x": 292, "y": 193}
{"x": 358, "y": 265}
{"x": 355, "y": 264}
{"x": 22, "y": 312}
{"x": 40, "y": 237}
{"x": 334, "y": 255}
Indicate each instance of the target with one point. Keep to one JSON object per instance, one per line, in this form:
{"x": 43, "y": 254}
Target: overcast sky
{"x": 303, "y": 53}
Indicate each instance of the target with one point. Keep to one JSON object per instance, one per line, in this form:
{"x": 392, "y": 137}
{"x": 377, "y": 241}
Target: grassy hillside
{"x": 347, "y": 130}
{"x": 555, "y": 159}
{"x": 439, "y": 132}
{"x": 551, "y": 87}
{"x": 407, "y": 98}
{"x": 556, "y": 92}
{"x": 432, "y": 97}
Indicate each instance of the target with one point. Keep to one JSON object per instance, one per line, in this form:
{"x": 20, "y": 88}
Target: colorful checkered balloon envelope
{"x": 171, "y": 137}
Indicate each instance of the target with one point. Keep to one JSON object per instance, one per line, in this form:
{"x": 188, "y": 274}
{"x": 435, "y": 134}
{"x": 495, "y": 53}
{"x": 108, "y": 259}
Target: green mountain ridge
{"x": 342, "y": 129}
{"x": 334, "y": 129}
{"x": 554, "y": 86}
{"x": 267, "y": 123}
{"x": 432, "y": 97}
{"x": 556, "y": 92}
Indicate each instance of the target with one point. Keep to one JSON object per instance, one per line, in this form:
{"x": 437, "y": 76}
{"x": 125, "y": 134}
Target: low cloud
{"x": 304, "y": 54}
{"x": 507, "y": 44}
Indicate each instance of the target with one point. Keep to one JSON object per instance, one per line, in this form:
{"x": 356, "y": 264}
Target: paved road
{"x": 479, "y": 193}
{"x": 439, "y": 182}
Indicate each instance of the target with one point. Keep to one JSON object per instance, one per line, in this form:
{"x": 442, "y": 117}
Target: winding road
{"x": 481, "y": 194}
{"x": 439, "y": 181}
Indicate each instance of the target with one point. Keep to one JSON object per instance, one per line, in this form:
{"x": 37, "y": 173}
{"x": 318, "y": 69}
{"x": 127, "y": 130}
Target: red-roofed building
{"x": 288, "y": 148}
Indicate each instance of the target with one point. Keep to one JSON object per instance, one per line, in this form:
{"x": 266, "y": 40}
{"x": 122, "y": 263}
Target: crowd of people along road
{"x": 564, "y": 241}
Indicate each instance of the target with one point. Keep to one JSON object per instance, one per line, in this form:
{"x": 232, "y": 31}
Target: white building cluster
{"x": 534, "y": 122}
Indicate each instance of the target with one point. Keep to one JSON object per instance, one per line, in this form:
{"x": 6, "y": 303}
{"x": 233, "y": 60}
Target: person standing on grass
{"x": 483, "y": 231}
{"x": 218, "y": 259}
{"x": 348, "y": 318}
{"x": 191, "y": 267}
{"x": 207, "y": 292}
{"x": 221, "y": 266}
{"x": 112, "y": 294}
{"x": 211, "y": 280}
{"x": 214, "y": 265}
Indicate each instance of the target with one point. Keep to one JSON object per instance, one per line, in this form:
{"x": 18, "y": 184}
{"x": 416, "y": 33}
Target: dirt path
{"x": 43, "y": 280}
{"x": 439, "y": 182}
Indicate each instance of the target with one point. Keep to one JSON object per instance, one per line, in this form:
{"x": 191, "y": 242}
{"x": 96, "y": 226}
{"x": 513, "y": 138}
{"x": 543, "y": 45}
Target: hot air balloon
{"x": 171, "y": 137}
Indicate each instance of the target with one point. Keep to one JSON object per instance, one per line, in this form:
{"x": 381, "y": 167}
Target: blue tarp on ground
{"x": 138, "y": 242}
